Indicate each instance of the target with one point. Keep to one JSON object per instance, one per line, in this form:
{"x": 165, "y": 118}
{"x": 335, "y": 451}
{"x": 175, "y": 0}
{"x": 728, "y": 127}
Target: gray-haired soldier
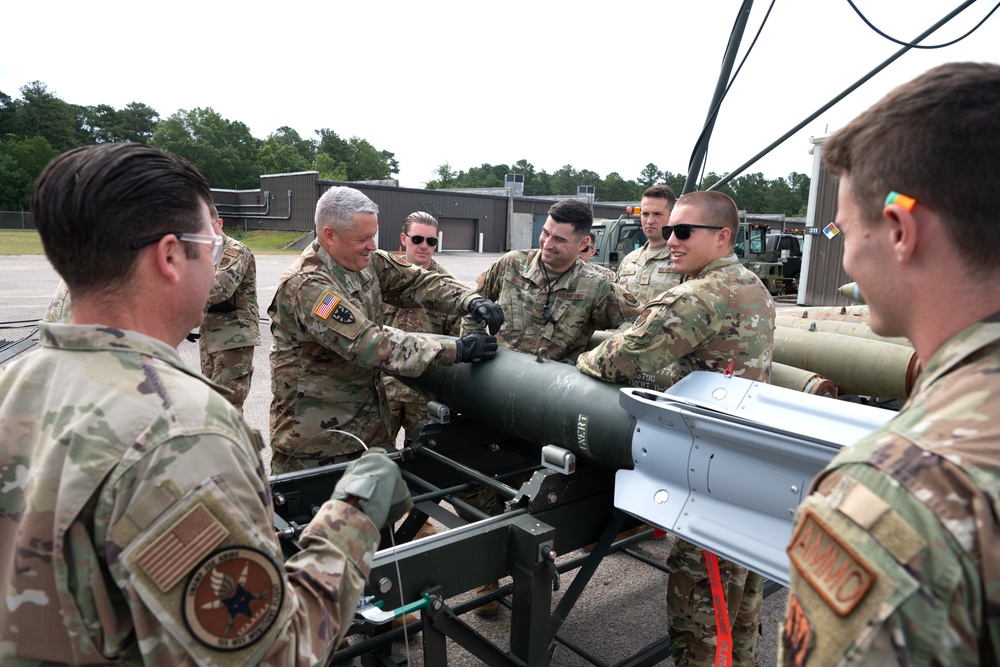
{"x": 135, "y": 520}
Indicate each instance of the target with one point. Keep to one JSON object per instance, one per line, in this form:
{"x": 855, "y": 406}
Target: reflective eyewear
{"x": 205, "y": 239}
{"x": 417, "y": 240}
{"x": 683, "y": 231}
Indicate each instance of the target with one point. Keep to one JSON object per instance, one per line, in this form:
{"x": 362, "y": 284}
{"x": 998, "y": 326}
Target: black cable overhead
{"x": 914, "y": 44}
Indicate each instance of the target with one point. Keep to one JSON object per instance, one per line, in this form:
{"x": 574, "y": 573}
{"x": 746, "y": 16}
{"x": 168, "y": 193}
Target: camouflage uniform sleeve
{"x": 617, "y": 307}
{"x": 665, "y": 331}
{"x": 406, "y": 286}
{"x": 196, "y": 554}
{"x": 343, "y": 328}
{"x": 875, "y": 577}
{"x": 229, "y": 274}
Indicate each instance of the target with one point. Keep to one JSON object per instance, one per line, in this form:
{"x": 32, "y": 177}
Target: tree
{"x": 224, "y": 150}
{"x": 446, "y": 177}
{"x": 360, "y": 160}
{"x": 136, "y": 122}
{"x": 650, "y": 175}
{"x": 21, "y": 161}
{"x": 42, "y": 114}
{"x": 328, "y": 169}
{"x": 616, "y": 188}
{"x": 284, "y": 151}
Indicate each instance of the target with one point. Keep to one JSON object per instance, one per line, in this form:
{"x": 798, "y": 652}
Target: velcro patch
{"x": 343, "y": 314}
{"x": 645, "y": 279}
{"x": 575, "y": 296}
{"x": 631, "y": 300}
{"x": 398, "y": 259}
{"x": 231, "y": 252}
{"x": 797, "y": 635}
{"x": 626, "y": 272}
{"x": 643, "y": 316}
{"x": 187, "y": 541}
{"x": 831, "y": 567}
{"x": 233, "y": 598}
{"x": 326, "y": 305}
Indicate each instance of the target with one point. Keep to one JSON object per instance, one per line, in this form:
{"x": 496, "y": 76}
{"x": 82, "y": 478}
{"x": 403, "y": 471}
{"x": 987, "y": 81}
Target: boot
{"x": 491, "y": 608}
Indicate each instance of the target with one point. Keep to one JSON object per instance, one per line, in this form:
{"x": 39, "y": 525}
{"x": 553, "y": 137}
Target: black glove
{"x": 487, "y": 312}
{"x": 476, "y": 347}
{"x": 379, "y": 487}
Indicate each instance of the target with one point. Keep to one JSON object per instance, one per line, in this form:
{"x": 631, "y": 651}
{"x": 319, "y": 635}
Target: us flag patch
{"x": 167, "y": 560}
{"x": 326, "y": 305}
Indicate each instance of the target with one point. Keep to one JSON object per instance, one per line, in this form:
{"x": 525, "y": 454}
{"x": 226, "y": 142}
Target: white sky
{"x": 606, "y": 87}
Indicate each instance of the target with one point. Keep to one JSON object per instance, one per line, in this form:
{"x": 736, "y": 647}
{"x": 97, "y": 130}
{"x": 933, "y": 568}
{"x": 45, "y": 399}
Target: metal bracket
{"x": 558, "y": 459}
{"x": 438, "y": 412}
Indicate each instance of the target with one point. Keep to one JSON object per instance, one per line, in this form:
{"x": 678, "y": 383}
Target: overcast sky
{"x": 608, "y": 87}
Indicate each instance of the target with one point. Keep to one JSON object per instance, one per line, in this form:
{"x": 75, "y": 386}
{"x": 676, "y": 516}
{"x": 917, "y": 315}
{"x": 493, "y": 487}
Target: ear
{"x": 582, "y": 244}
{"x": 402, "y": 239}
{"x": 904, "y": 231}
{"x": 168, "y": 255}
{"x": 725, "y": 236}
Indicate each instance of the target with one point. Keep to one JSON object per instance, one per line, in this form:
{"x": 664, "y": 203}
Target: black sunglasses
{"x": 431, "y": 240}
{"x": 683, "y": 231}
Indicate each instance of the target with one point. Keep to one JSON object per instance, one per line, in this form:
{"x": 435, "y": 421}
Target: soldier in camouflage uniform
{"x": 895, "y": 554}
{"x": 231, "y": 328}
{"x": 330, "y": 347}
{"x": 135, "y": 516}
{"x": 408, "y": 406}
{"x": 550, "y": 297}
{"x": 588, "y": 256}
{"x": 649, "y": 271}
{"x": 721, "y": 320}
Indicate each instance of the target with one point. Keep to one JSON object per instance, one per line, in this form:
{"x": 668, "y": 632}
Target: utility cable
{"x": 914, "y": 44}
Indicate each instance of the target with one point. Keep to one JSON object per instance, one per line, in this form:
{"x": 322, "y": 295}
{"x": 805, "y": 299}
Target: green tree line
{"x": 751, "y": 192}
{"x": 39, "y": 125}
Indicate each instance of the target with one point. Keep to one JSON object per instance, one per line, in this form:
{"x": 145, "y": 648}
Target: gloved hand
{"x": 379, "y": 487}
{"x": 476, "y": 347}
{"x": 488, "y": 313}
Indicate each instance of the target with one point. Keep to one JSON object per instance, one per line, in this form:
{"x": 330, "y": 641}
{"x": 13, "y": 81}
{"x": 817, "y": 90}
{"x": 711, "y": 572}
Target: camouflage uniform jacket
{"x": 61, "y": 306}
{"x": 136, "y": 521}
{"x": 724, "y": 315}
{"x": 419, "y": 319}
{"x": 895, "y": 554}
{"x": 611, "y": 275}
{"x": 329, "y": 346}
{"x": 232, "y": 318}
{"x": 580, "y": 302}
{"x": 647, "y": 273}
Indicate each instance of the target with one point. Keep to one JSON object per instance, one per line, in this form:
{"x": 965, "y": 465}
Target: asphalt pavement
{"x": 623, "y": 609}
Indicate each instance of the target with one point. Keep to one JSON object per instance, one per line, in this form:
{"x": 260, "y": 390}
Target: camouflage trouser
{"x": 232, "y": 369}
{"x": 691, "y": 618}
{"x": 282, "y": 463}
{"x": 407, "y": 406}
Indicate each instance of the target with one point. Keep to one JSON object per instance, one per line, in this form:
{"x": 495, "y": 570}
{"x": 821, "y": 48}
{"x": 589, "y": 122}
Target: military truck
{"x": 786, "y": 248}
{"x": 614, "y": 239}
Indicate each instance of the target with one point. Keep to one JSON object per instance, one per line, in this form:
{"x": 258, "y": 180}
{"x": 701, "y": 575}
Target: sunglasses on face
{"x": 417, "y": 240}
{"x": 683, "y": 231}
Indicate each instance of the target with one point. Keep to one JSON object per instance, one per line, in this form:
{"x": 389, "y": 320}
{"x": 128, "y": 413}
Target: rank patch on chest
{"x": 326, "y": 305}
{"x": 233, "y": 598}
{"x": 830, "y": 565}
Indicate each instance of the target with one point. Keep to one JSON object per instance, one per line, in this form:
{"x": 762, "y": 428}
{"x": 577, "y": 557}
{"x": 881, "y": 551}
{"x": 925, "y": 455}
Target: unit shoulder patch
{"x": 398, "y": 259}
{"x": 831, "y": 566}
{"x": 631, "y": 300}
{"x": 232, "y": 598}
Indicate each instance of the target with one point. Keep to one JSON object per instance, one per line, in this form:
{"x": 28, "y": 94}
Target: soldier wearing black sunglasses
{"x": 722, "y": 320}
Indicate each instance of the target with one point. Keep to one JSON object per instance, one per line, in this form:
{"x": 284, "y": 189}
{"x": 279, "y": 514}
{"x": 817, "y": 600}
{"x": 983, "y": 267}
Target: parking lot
{"x": 623, "y": 609}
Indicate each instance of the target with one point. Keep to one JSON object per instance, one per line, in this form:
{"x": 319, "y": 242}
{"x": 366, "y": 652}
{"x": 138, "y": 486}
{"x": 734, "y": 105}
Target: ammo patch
{"x": 326, "y": 305}
{"x": 831, "y": 567}
{"x": 233, "y": 598}
{"x": 797, "y": 635}
{"x": 186, "y": 541}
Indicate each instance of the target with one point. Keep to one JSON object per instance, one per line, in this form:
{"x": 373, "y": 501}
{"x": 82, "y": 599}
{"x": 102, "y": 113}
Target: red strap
{"x": 723, "y": 634}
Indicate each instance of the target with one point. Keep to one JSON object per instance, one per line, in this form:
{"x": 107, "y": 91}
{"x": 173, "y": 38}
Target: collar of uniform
{"x": 353, "y": 280}
{"x": 717, "y": 264}
{"x": 958, "y": 348}
{"x": 536, "y": 274}
{"x": 659, "y": 252}
{"x": 100, "y": 338}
